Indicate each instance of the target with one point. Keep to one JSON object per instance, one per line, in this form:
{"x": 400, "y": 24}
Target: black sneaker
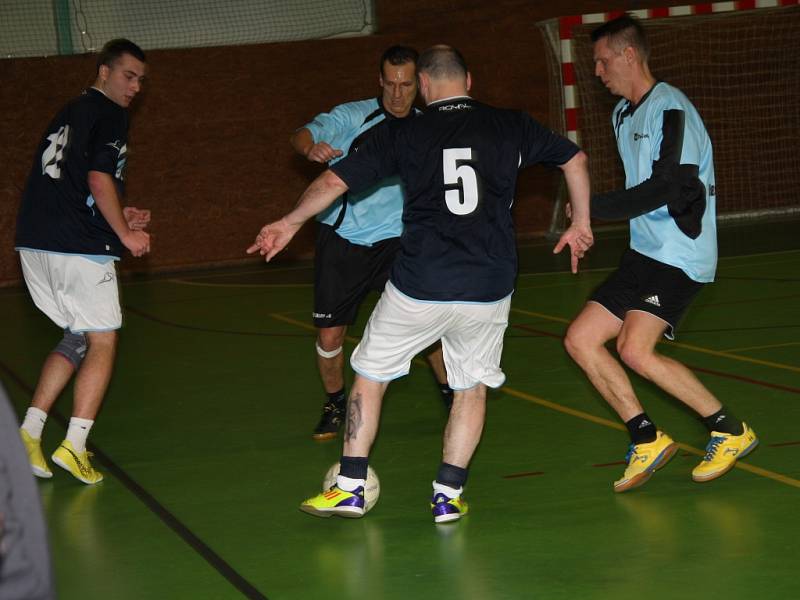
{"x": 329, "y": 422}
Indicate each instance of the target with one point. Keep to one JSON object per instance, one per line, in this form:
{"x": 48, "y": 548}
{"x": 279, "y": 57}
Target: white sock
{"x": 349, "y": 485}
{"x": 34, "y": 422}
{"x": 77, "y": 433}
{"x": 440, "y": 488}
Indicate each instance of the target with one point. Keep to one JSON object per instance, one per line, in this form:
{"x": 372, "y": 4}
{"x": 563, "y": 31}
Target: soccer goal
{"x": 739, "y": 63}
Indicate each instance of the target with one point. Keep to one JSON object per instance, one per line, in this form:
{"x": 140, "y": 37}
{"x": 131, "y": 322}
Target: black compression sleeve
{"x": 671, "y": 183}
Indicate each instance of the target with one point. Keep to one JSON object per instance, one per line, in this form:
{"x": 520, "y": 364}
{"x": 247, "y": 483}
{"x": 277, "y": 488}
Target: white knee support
{"x": 325, "y": 354}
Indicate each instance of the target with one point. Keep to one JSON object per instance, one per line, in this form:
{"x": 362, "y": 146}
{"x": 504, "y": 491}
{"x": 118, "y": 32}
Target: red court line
{"x": 767, "y": 384}
{"x": 758, "y": 382}
{"x": 528, "y": 474}
{"x": 538, "y": 331}
{"x": 611, "y": 464}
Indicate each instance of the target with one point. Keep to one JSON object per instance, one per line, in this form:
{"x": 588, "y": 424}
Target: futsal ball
{"x": 371, "y": 490}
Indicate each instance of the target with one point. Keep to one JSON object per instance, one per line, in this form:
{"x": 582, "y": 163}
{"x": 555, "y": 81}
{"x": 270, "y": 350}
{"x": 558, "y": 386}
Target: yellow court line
{"x": 700, "y": 349}
{"x": 788, "y": 259}
{"x": 234, "y": 273}
{"x": 772, "y": 253}
{"x": 240, "y": 285}
{"x": 530, "y": 313}
{"x": 767, "y": 347}
{"x": 305, "y": 325}
{"x": 755, "y": 361}
{"x": 544, "y": 286}
{"x": 614, "y": 425}
{"x": 562, "y": 409}
{"x": 576, "y": 413}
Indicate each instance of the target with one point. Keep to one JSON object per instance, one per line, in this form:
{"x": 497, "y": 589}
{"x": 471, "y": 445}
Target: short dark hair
{"x": 622, "y": 32}
{"x": 442, "y": 62}
{"x": 114, "y": 49}
{"x": 398, "y": 55}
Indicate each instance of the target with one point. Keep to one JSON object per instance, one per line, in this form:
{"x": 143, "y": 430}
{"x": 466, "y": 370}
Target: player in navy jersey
{"x": 670, "y": 199}
{"x": 454, "y": 275}
{"x": 71, "y": 228}
{"x": 359, "y": 233}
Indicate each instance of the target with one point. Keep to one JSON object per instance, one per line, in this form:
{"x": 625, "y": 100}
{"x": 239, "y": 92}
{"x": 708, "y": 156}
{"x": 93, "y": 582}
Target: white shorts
{"x": 76, "y": 292}
{"x": 401, "y": 327}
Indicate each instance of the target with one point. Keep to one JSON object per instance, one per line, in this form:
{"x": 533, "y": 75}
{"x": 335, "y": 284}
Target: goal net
{"x": 738, "y": 62}
{"x": 53, "y": 27}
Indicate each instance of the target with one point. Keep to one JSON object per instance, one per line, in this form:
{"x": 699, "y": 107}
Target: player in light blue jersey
{"x": 359, "y": 234}
{"x": 379, "y": 216}
{"x": 670, "y": 199}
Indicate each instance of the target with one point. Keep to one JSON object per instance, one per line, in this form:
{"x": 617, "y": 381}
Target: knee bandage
{"x": 72, "y": 347}
{"x": 326, "y": 354}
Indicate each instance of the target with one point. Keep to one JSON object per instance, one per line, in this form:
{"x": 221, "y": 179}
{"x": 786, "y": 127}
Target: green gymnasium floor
{"x": 205, "y": 442}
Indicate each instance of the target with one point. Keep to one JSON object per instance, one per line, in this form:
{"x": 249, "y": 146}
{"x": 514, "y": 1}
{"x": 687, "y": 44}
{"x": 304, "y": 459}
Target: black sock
{"x": 338, "y": 398}
{"x": 354, "y": 467}
{"x": 452, "y": 476}
{"x": 447, "y": 395}
{"x": 724, "y": 422}
{"x": 641, "y": 429}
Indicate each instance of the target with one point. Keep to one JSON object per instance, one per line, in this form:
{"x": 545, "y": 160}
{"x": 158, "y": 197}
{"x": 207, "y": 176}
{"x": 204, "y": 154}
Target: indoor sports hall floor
{"x": 205, "y": 442}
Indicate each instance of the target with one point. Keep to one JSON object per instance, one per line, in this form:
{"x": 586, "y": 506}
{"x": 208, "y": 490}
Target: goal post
{"x": 738, "y": 62}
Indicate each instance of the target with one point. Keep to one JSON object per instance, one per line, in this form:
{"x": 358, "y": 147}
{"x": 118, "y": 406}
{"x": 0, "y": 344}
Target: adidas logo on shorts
{"x": 653, "y": 300}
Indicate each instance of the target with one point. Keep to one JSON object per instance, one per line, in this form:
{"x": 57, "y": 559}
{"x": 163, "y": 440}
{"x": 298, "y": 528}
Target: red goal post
{"x": 739, "y": 63}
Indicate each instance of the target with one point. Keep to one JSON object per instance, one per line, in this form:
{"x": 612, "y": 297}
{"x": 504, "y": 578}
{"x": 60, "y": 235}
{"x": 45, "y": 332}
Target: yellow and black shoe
{"x": 77, "y": 463}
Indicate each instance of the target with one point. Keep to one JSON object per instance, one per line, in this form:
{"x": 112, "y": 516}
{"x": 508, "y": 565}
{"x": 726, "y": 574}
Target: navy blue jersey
{"x": 58, "y": 212}
{"x": 459, "y": 163}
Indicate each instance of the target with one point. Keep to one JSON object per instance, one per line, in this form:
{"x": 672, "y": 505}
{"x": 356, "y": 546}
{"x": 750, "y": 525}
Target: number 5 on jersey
{"x": 462, "y": 195}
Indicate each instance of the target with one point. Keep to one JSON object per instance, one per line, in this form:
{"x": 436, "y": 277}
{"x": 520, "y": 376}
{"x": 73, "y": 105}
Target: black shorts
{"x": 344, "y": 273}
{"x": 641, "y": 283}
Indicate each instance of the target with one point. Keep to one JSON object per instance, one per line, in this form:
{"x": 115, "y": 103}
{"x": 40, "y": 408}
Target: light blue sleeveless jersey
{"x": 375, "y": 214}
{"x": 639, "y": 137}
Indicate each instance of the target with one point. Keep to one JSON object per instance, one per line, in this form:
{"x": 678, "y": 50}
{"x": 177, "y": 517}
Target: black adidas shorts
{"x": 641, "y": 283}
{"x": 344, "y": 273}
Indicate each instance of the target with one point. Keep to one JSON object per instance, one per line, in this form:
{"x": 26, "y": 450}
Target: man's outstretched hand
{"x": 579, "y": 238}
{"x": 273, "y": 238}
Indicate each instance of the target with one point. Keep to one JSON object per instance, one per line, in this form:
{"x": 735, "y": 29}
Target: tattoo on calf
{"x": 354, "y": 420}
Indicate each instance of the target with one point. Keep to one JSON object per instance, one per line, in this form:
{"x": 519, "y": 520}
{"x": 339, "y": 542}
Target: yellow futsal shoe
{"x": 76, "y": 463}
{"x": 644, "y": 460}
{"x": 35, "y": 457}
{"x": 336, "y": 502}
{"x": 723, "y": 451}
